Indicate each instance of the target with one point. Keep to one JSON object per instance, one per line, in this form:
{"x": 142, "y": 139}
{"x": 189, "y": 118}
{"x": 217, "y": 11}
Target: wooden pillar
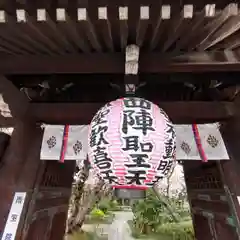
{"x": 211, "y": 210}
{"x": 201, "y": 225}
{"x": 230, "y": 170}
{"x": 47, "y": 185}
{"x": 19, "y": 170}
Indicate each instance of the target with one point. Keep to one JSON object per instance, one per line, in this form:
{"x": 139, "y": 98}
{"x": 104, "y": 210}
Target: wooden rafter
{"x": 57, "y": 27}
{"x": 123, "y": 22}
{"x": 105, "y": 25}
{"x": 115, "y": 63}
{"x": 179, "y": 24}
{"x": 142, "y": 25}
{"x": 68, "y": 26}
{"x": 200, "y": 18}
{"x": 87, "y": 25}
{"x": 212, "y": 27}
{"x": 179, "y": 112}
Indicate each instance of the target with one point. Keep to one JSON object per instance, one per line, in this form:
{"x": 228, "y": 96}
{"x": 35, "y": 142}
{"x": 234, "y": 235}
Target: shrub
{"x": 114, "y": 205}
{"x": 97, "y": 214}
{"x": 107, "y": 204}
{"x": 177, "y": 231}
{"x": 85, "y": 236}
{"x": 161, "y": 215}
{"x": 104, "y": 205}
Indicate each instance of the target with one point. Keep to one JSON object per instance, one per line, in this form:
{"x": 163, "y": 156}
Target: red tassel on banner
{"x": 199, "y": 143}
{"x": 64, "y": 143}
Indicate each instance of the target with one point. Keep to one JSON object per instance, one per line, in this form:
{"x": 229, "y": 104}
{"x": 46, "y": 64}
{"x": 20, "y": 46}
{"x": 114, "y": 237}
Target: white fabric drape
{"x": 77, "y": 144}
{"x": 211, "y": 140}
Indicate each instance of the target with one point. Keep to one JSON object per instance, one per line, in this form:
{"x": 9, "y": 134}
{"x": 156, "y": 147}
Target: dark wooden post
{"x": 210, "y": 207}
{"x": 230, "y": 170}
{"x": 47, "y": 185}
{"x": 19, "y": 169}
{"x": 193, "y": 183}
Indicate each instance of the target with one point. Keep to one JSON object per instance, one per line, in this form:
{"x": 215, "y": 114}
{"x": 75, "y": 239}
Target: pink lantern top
{"x": 132, "y": 143}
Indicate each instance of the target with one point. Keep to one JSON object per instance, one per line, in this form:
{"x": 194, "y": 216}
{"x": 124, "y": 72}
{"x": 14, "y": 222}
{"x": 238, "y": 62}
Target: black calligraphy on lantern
{"x": 136, "y": 177}
{"x": 138, "y": 120}
{"x": 97, "y": 136}
{"x": 109, "y": 176}
{"x": 164, "y": 114}
{"x": 101, "y": 159}
{"x": 132, "y": 143}
{"x": 139, "y": 161}
{"x": 169, "y": 149}
{"x": 165, "y": 166}
{"x": 170, "y": 130}
{"x": 99, "y": 118}
{"x": 98, "y": 143}
{"x": 136, "y": 103}
{"x": 169, "y": 143}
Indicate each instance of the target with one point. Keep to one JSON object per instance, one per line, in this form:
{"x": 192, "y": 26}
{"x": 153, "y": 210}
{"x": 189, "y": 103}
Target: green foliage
{"x": 85, "y": 236}
{"x": 97, "y": 214}
{"x": 177, "y": 231}
{"x": 107, "y": 205}
{"x": 162, "y": 216}
{"x": 150, "y": 213}
{"x": 104, "y": 205}
{"x": 114, "y": 205}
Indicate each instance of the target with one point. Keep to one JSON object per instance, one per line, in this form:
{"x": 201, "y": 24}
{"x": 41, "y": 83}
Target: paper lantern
{"x": 132, "y": 143}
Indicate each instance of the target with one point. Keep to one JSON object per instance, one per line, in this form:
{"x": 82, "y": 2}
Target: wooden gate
{"x": 211, "y": 210}
{"x": 48, "y": 207}
{"x": 47, "y": 185}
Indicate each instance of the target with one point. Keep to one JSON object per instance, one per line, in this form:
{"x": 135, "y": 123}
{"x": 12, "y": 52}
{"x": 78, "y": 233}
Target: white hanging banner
{"x": 186, "y": 148}
{"x": 212, "y": 144}
{"x": 52, "y": 143}
{"x": 77, "y": 147}
{"x": 14, "y": 216}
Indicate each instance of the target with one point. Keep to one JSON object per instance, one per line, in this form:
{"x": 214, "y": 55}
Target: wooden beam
{"x": 115, "y": 63}
{"x": 123, "y": 22}
{"x": 69, "y": 28}
{"x": 225, "y": 32}
{"x": 104, "y": 24}
{"x": 210, "y": 28}
{"x": 164, "y": 15}
{"x": 179, "y": 112}
{"x": 200, "y": 18}
{"x": 179, "y": 23}
{"x": 142, "y": 25}
{"x": 86, "y": 24}
{"x": 17, "y": 102}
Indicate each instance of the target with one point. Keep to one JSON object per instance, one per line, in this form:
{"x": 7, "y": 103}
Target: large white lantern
{"x": 132, "y": 143}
